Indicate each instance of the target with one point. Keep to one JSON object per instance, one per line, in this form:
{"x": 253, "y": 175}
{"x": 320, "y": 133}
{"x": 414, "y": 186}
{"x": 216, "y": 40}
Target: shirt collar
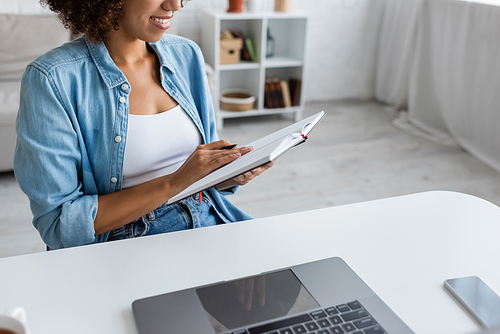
{"x": 109, "y": 72}
{"x": 165, "y": 61}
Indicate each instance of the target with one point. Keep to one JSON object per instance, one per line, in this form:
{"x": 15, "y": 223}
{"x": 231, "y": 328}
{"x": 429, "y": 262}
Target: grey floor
{"x": 355, "y": 154}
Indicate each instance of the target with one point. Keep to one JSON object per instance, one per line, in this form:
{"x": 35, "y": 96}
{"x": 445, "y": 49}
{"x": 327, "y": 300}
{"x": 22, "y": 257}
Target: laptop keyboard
{"x": 346, "y": 318}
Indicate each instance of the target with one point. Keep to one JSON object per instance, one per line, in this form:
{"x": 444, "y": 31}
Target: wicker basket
{"x": 236, "y": 100}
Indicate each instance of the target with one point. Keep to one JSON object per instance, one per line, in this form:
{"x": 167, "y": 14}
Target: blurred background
{"x": 411, "y": 92}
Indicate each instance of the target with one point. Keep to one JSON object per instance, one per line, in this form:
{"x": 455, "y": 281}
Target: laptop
{"x": 320, "y": 297}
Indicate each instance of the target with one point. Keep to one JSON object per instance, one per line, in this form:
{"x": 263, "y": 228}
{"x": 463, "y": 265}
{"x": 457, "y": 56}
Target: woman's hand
{"x": 121, "y": 207}
{"x": 243, "y": 179}
{"x": 204, "y": 160}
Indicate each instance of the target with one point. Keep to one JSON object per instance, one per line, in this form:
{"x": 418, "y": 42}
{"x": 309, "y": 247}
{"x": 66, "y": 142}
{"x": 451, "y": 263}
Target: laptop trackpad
{"x": 251, "y": 300}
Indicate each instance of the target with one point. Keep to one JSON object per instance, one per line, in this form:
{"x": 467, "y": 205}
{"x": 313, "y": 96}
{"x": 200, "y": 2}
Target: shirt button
{"x": 114, "y": 179}
{"x": 118, "y": 139}
{"x": 124, "y": 86}
{"x": 122, "y": 99}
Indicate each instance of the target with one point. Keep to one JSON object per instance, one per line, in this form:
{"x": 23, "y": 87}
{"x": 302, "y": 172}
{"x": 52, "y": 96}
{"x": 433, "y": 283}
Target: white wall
{"x": 342, "y": 41}
{"x": 21, "y": 7}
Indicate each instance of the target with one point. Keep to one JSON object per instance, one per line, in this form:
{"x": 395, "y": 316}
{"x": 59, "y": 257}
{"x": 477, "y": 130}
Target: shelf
{"x": 268, "y": 63}
{"x": 289, "y": 34}
{"x": 282, "y": 62}
{"x": 243, "y": 65}
{"x": 254, "y": 16}
{"x": 257, "y": 112}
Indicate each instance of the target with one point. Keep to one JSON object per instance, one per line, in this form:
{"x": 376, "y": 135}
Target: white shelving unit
{"x": 289, "y": 31}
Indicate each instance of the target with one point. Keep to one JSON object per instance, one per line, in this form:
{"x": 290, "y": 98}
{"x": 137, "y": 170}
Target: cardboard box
{"x": 230, "y": 50}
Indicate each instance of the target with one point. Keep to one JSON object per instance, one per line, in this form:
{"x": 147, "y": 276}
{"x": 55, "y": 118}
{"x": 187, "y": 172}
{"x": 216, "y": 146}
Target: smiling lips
{"x": 162, "y": 21}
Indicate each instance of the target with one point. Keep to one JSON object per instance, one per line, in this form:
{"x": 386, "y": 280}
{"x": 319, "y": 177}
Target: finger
{"x": 242, "y": 179}
{"x": 241, "y": 150}
{"x": 249, "y": 175}
{"x": 229, "y": 147}
{"x": 248, "y": 294}
{"x": 221, "y": 144}
{"x": 263, "y": 168}
{"x": 221, "y": 157}
{"x": 216, "y": 145}
{"x": 240, "y": 287}
{"x": 208, "y": 161}
{"x": 223, "y": 151}
{"x": 218, "y": 160}
{"x": 261, "y": 290}
{"x": 245, "y": 177}
{"x": 268, "y": 165}
{"x": 246, "y": 149}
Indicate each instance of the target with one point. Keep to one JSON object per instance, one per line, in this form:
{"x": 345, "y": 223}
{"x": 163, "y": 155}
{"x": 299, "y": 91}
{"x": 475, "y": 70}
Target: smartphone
{"x": 477, "y": 298}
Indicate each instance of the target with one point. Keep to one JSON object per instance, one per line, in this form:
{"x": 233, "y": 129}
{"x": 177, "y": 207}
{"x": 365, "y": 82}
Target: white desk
{"x": 403, "y": 247}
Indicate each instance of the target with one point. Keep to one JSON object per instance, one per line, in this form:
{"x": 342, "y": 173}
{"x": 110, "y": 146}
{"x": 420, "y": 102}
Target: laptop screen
{"x": 239, "y": 303}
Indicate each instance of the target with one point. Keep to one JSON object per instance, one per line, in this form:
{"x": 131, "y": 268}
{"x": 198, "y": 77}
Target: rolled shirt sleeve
{"x": 48, "y": 161}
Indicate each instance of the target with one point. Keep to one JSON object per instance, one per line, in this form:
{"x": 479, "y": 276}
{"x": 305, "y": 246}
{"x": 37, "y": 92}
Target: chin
{"x": 153, "y": 38}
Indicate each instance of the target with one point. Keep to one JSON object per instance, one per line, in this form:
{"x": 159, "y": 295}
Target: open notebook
{"x": 266, "y": 149}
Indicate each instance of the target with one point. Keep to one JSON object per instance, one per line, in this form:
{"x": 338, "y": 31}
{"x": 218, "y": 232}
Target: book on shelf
{"x": 269, "y": 94}
{"x": 247, "y": 51}
{"x": 279, "y": 93}
{"x": 295, "y": 87}
{"x": 286, "y": 93}
{"x": 274, "y": 97}
{"x": 266, "y": 149}
{"x": 251, "y": 50}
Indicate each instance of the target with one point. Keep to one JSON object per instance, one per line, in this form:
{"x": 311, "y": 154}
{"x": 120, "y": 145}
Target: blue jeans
{"x": 186, "y": 214}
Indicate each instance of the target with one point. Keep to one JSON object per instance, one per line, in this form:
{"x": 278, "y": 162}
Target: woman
{"x": 114, "y": 123}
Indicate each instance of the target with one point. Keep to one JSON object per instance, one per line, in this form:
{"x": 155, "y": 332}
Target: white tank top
{"x": 157, "y": 145}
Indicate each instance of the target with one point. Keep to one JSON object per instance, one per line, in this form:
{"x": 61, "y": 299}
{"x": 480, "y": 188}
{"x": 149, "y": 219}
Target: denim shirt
{"x": 72, "y": 131}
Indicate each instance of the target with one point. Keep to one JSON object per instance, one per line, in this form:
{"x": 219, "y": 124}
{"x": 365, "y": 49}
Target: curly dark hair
{"x": 94, "y": 18}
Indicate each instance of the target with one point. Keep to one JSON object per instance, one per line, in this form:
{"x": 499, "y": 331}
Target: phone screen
{"x": 478, "y": 298}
